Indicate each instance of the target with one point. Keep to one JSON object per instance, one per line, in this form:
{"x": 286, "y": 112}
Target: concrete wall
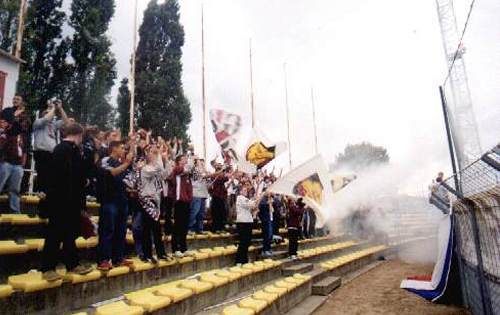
{"x": 12, "y": 69}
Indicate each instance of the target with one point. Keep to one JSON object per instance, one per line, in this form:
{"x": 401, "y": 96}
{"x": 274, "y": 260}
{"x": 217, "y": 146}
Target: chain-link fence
{"x": 474, "y": 194}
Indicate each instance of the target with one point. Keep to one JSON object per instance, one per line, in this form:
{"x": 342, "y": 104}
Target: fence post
{"x": 486, "y": 301}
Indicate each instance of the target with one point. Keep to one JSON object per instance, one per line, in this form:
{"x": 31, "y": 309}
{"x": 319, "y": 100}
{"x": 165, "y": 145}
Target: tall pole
{"x": 287, "y": 118}
{"x": 252, "y": 105}
{"x": 132, "y": 73}
{"x": 20, "y": 29}
{"x": 203, "y": 93}
{"x": 314, "y": 122}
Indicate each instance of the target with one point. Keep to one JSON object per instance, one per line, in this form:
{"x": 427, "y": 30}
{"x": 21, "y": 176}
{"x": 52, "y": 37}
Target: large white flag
{"x": 310, "y": 181}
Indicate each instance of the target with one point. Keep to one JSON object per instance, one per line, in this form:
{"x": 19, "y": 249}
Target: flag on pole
{"x": 226, "y": 127}
{"x": 310, "y": 181}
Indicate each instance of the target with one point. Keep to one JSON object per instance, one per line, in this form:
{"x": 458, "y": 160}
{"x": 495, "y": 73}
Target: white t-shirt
{"x": 244, "y": 209}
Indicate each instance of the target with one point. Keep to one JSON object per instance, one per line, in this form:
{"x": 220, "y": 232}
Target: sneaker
{"x": 82, "y": 270}
{"x": 104, "y": 266}
{"x": 125, "y": 263}
{"x": 293, "y": 257}
{"x": 153, "y": 260}
{"x": 204, "y": 232}
{"x": 191, "y": 233}
{"x": 143, "y": 259}
{"x": 238, "y": 265}
{"x": 51, "y": 276}
{"x": 163, "y": 257}
{"x": 178, "y": 254}
{"x": 189, "y": 253}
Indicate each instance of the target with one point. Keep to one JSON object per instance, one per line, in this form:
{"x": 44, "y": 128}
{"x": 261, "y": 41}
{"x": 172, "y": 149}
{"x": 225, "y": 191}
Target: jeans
{"x": 150, "y": 227}
{"x": 112, "y": 230}
{"x": 137, "y": 231}
{"x": 197, "y": 214}
{"x": 11, "y": 176}
{"x": 245, "y": 237}
{"x": 267, "y": 235}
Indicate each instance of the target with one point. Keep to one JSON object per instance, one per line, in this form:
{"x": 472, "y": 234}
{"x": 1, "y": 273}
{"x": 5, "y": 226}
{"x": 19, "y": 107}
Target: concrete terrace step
{"x": 298, "y": 268}
{"x": 326, "y": 286}
{"x": 76, "y": 294}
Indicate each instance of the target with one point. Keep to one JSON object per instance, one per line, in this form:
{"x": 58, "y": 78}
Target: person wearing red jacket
{"x": 181, "y": 177}
{"x": 295, "y": 212}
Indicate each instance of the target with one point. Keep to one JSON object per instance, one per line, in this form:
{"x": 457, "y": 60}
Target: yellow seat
{"x": 148, "y": 300}
{"x": 231, "y": 276}
{"x": 32, "y": 281}
{"x": 231, "y": 249}
{"x": 119, "y": 307}
{"x": 93, "y": 204}
{"x": 274, "y": 262}
{"x": 265, "y": 296}
{"x": 80, "y": 313}
{"x": 196, "y": 286}
{"x": 241, "y": 271}
{"x": 174, "y": 293}
{"x": 253, "y": 304}
{"x": 81, "y": 243}
{"x": 76, "y": 278}
{"x": 211, "y": 252}
{"x": 302, "y": 277}
{"x": 189, "y": 237}
{"x": 274, "y": 289}
{"x": 265, "y": 264}
{"x": 165, "y": 263}
{"x": 11, "y": 247}
{"x": 215, "y": 280}
{"x": 130, "y": 239}
{"x": 139, "y": 265}
{"x": 118, "y": 271}
{"x": 201, "y": 236}
{"x": 35, "y": 243}
{"x": 185, "y": 259}
{"x": 200, "y": 255}
{"x": 24, "y": 219}
{"x": 253, "y": 267}
{"x": 287, "y": 285}
{"x": 294, "y": 280}
{"x": 236, "y": 310}
{"x": 5, "y": 290}
{"x": 92, "y": 242}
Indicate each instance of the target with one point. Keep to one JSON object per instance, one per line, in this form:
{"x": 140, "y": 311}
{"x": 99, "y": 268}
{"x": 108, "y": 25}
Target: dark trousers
{"x": 217, "y": 208}
{"x": 293, "y": 239}
{"x": 267, "y": 234}
{"x": 59, "y": 231}
{"x": 181, "y": 222}
{"x": 112, "y": 230}
{"x": 42, "y": 168}
{"x": 244, "y": 237}
{"x": 166, "y": 207}
{"x": 150, "y": 227}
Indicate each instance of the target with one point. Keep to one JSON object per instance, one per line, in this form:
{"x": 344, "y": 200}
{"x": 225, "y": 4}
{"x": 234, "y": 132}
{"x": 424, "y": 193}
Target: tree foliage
{"x": 45, "y": 73}
{"x": 123, "y": 101}
{"x": 9, "y": 16}
{"x": 93, "y": 70}
{"x": 358, "y": 157}
{"x": 161, "y": 104}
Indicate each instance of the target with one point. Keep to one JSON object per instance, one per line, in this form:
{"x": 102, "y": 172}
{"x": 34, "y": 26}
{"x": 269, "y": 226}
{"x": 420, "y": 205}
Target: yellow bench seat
{"x": 119, "y": 307}
{"x": 253, "y": 304}
{"x": 196, "y": 286}
{"x": 148, "y": 300}
{"x": 31, "y": 282}
{"x": 236, "y": 310}
{"x": 174, "y": 293}
{"x": 11, "y": 247}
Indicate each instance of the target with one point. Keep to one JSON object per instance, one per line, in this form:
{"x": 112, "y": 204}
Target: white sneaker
{"x": 178, "y": 254}
{"x": 189, "y": 253}
{"x": 238, "y": 265}
{"x": 293, "y": 257}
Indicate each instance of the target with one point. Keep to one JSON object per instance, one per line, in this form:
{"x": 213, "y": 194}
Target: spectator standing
{"x": 66, "y": 198}
{"x": 245, "y": 212}
{"x": 113, "y": 212}
{"x": 45, "y": 133}
{"x": 218, "y": 193}
{"x": 266, "y": 220}
{"x": 200, "y": 195}
{"x": 183, "y": 198}
{"x": 295, "y": 212}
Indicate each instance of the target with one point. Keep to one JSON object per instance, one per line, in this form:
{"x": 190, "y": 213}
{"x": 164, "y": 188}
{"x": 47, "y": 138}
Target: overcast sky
{"x": 375, "y": 67}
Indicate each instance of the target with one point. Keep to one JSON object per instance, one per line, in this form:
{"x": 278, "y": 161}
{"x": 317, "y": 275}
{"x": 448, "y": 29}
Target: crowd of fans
{"x": 161, "y": 183}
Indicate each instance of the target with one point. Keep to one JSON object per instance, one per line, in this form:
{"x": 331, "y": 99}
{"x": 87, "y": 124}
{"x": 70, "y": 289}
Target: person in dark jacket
{"x": 66, "y": 198}
{"x": 295, "y": 212}
{"x": 181, "y": 174}
{"x": 266, "y": 219}
{"x": 218, "y": 193}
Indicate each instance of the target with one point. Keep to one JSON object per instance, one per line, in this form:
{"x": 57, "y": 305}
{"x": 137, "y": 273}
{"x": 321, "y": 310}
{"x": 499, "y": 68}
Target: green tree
{"x": 45, "y": 73}
{"x": 123, "y": 101}
{"x": 161, "y": 104}
{"x": 9, "y": 16}
{"x": 358, "y": 157}
{"x": 93, "y": 71}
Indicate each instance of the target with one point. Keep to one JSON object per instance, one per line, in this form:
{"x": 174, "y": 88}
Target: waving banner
{"x": 310, "y": 181}
{"x": 226, "y": 127}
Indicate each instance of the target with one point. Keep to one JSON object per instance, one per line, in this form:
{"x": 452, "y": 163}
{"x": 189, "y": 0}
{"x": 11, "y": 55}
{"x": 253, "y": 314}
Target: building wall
{"x": 12, "y": 70}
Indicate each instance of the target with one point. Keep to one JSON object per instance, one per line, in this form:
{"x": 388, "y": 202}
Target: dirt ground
{"x": 378, "y": 292}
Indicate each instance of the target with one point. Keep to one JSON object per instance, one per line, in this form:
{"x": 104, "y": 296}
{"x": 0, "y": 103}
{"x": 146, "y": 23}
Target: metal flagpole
{"x": 314, "y": 122}
{"x": 20, "y": 29}
{"x": 132, "y": 74}
{"x": 251, "y": 85}
{"x": 203, "y": 93}
{"x": 287, "y": 118}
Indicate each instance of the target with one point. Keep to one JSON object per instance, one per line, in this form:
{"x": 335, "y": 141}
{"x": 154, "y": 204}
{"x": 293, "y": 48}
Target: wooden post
{"x": 203, "y": 91}
{"x": 132, "y": 73}
{"x": 314, "y": 122}
{"x": 20, "y": 29}
{"x": 287, "y": 118}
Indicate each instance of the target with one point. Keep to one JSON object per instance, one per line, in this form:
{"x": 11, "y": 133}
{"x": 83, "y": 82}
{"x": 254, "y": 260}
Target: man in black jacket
{"x": 66, "y": 199}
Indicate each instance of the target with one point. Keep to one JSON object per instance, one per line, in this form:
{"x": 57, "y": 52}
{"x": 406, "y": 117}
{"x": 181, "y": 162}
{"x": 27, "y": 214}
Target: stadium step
{"x": 326, "y": 286}
{"x": 298, "y": 268}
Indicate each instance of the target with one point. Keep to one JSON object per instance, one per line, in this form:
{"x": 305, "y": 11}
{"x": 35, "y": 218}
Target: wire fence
{"x": 474, "y": 194}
